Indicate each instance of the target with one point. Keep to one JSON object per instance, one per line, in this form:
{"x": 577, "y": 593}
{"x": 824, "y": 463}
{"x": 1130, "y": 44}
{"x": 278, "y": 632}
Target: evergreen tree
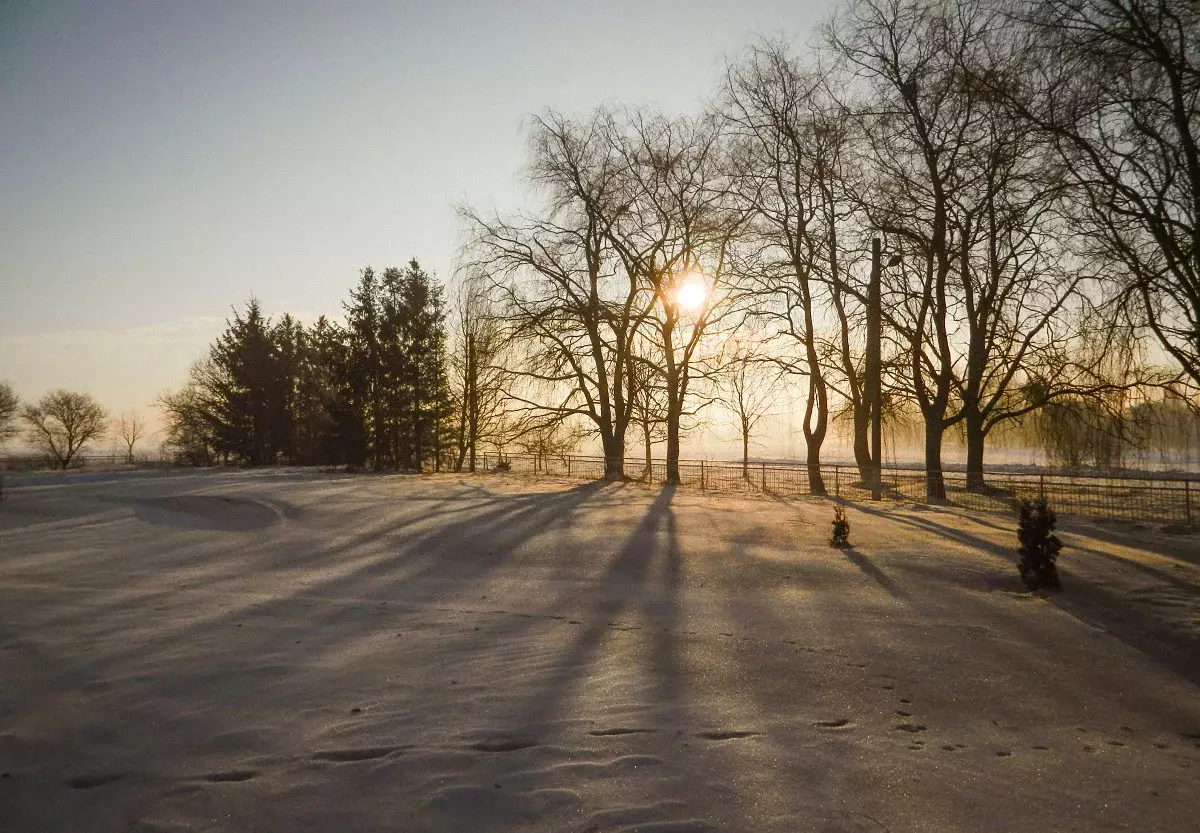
{"x": 247, "y": 387}
{"x": 361, "y": 423}
{"x": 424, "y": 341}
{"x": 372, "y": 392}
{"x": 1039, "y": 545}
{"x": 320, "y": 400}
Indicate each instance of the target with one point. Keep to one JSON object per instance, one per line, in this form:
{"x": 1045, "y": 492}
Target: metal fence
{"x": 1117, "y": 497}
{"x": 41, "y": 462}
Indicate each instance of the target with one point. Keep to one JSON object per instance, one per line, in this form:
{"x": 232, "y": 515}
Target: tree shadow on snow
{"x": 1097, "y": 605}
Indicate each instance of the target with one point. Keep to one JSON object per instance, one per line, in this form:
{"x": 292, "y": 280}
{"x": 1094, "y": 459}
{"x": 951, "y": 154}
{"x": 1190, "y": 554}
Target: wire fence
{"x": 41, "y": 462}
{"x": 1115, "y": 497}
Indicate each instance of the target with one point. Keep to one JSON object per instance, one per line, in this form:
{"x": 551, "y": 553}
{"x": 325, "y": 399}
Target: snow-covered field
{"x": 295, "y": 651}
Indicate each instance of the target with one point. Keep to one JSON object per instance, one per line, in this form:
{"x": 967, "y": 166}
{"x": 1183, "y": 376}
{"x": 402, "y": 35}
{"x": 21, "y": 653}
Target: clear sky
{"x": 162, "y": 161}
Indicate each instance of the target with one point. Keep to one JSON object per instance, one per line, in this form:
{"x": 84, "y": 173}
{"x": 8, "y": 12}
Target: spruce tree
{"x": 246, "y": 388}
{"x": 361, "y": 371}
{"x": 1039, "y": 546}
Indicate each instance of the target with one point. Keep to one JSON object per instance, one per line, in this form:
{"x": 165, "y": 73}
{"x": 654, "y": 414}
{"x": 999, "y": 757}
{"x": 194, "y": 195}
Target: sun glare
{"x": 691, "y": 295}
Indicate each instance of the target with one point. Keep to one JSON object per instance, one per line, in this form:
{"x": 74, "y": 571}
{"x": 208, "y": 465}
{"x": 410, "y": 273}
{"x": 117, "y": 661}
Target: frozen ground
{"x": 292, "y": 651}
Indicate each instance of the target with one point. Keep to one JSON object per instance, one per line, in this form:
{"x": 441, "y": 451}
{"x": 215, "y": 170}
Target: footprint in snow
{"x": 87, "y": 782}
{"x": 604, "y": 733}
{"x": 362, "y": 753}
{"x": 504, "y": 743}
{"x": 726, "y": 734}
{"x": 235, "y": 776}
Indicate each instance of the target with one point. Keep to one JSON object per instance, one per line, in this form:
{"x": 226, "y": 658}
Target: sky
{"x": 163, "y": 161}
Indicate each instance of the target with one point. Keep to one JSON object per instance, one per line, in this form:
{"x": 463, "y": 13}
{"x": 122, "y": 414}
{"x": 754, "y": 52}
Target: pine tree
{"x": 321, "y": 401}
{"x": 361, "y": 372}
{"x": 246, "y": 388}
{"x": 1039, "y": 546}
{"x": 425, "y": 340}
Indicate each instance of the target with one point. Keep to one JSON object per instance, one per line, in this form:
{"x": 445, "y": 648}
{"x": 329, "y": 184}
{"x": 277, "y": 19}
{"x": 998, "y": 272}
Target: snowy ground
{"x": 293, "y": 651}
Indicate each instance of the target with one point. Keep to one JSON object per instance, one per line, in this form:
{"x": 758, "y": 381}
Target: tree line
{"x": 62, "y": 424}
{"x": 371, "y": 390}
{"x": 1027, "y": 174}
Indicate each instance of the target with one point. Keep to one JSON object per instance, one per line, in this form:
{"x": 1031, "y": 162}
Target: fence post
{"x": 837, "y": 481}
{"x": 1187, "y": 500}
{"x": 568, "y": 465}
{"x": 1042, "y": 486}
{"x": 764, "y": 478}
{"x": 702, "y": 475}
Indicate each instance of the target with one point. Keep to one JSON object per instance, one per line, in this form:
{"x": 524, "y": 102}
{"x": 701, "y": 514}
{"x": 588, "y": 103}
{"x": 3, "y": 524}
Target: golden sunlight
{"x": 691, "y": 295}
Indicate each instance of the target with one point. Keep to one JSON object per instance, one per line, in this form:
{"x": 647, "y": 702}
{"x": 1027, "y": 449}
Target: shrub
{"x": 503, "y": 465}
{"x": 1039, "y": 545}
{"x": 841, "y": 528}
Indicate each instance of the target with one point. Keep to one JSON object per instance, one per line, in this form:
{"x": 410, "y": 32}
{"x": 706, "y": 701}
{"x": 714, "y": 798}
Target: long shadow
{"x": 431, "y": 559}
{"x": 899, "y": 651}
{"x": 633, "y": 588}
{"x": 868, "y": 568}
{"x": 1086, "y": 602}
{"x": 635, "y": 614}
{"x": 624, "y": 582}
{"x": 334, "y": 629}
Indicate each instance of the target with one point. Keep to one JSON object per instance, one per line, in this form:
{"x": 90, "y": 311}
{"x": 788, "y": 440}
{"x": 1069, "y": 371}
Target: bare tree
{"x": 789, "y": 140}
{"x": 749, "y": 384}
{"x": 130, "y": 428}
{"x": 476, "y": 368}
{"x": 570, "y": 313}
{"x": 674, "y": 238}
{"x": 986, "y": 298}
{"x": 1021, "y": 298}
{"x": 1119, "y": 88}
{"x": 62, "y": 423}
{"x": 918, "y": 126}
{"x": 9, "y": 406}
{"x": 191, "y": 416}
{"x": 549, "y": 439}
{"x": 649, "y": 399}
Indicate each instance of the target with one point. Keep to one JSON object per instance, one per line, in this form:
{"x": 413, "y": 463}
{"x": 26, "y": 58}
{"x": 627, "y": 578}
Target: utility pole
{"x": 437, "y": 412}
{"x": 472, "y": 404}
{"x": 874, "y": 384}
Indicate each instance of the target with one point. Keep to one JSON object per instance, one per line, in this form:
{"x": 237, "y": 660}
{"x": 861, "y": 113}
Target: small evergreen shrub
{"x": 1039, "y": 545}
{"x": 841, "y": 528}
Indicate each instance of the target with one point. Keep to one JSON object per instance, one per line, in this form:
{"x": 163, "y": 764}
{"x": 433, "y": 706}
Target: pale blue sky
{"x": 162, "y": 161}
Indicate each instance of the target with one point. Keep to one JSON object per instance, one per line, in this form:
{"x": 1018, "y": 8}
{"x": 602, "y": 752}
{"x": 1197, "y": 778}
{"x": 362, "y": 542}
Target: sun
{"x": 691, "y": 295}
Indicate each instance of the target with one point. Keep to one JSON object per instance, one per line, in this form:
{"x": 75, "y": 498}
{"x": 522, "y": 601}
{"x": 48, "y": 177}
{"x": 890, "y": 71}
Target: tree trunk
{"x": 472, "y": 401}
{"x": 975, "y": 445}
{"x": 673, "y": 444}
{"x": 814, "y": 437}
{"x": 935, "y": 484}
{"x": 649, "y": 473}
{"x": 862, "y": 443}
{"x": 674, "y": 414}
{"x": 614, "y": 456}
{"x": 674, "y": 411}
{"x": 745, "y": 453}
{"x": 816, "y": 483}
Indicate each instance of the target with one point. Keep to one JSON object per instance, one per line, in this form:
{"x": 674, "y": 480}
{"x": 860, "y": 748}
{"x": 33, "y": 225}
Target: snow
{"x": 297, "y": 651}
